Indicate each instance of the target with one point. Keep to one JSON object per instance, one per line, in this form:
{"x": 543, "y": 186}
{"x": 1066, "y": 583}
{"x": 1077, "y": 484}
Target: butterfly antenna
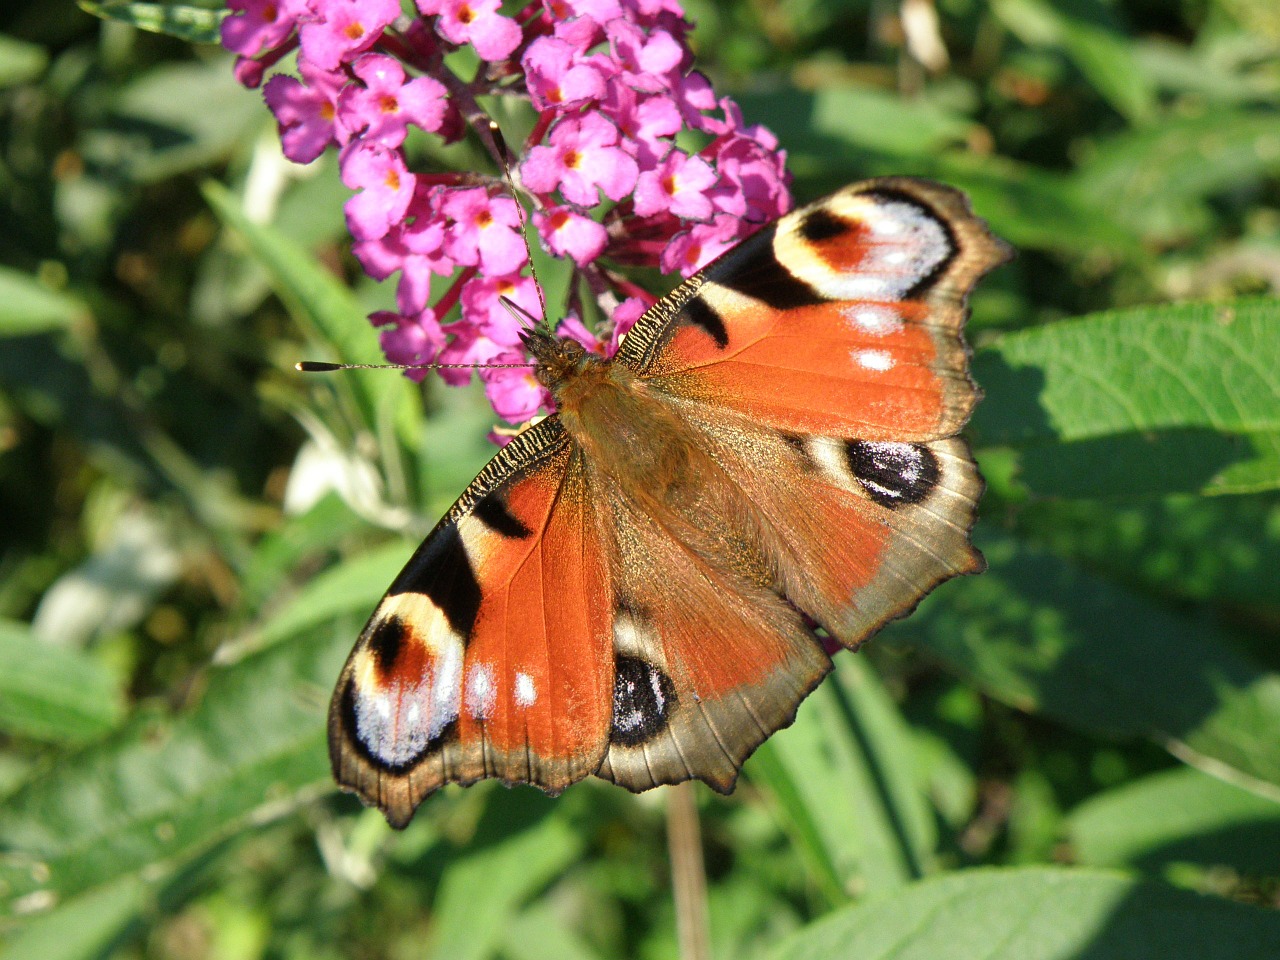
{"x": 500, "y": 142}
{"x": 323, "y": 366}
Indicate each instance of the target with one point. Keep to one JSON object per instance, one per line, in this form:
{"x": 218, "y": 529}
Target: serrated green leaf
{"x": 1041, "y": 636}
{"x": 27, "y": 306}
{"x": 166, "y": 787}
{"x": 1179, "y": 815}
{"x": 1225, "y": 549}
{"x": 1040, "y": 914}
{"x": 1140, "y": 402}
{"x": 186, "y": 22}
{"x": 54, "y": 693}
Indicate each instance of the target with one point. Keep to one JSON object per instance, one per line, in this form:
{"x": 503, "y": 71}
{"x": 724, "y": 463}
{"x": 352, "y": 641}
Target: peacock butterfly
{"x": 627, "y": 588}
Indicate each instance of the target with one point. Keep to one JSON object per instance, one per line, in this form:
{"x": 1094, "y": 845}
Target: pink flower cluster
{"x": 601, "y": 173}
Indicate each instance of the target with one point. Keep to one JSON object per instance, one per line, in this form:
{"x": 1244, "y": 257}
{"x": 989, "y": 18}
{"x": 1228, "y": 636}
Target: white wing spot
{"x": 878, "y": 360}
{"x": 526, "y": 692}
{"x": 875, "y": 320}
{"x": 482, "y": 692}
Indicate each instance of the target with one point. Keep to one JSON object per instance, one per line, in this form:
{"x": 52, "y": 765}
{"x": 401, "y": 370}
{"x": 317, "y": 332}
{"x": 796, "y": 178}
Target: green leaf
{"x": 843, "y": 780}
{"x": 54, "y": 693}
{"x": 1155, "y": 179}
{"x": 152, "y": 132}
{"x": 27, "y": 306}
{"x": 1040, "y": 914}
{"x": 167, "y": 787}
{"x": 82, "y": 929}
{"x": 1142, "y": 402}
{"x": 1103, "y": 56}
{"x": 523, "y": 842}
{"x": 352, "y": 587}
{"x": 812, "y": 125}
{"x": 1041, "y": 636}
{"x": 1179, "y": 816}
{"x": 186, "y": 22}
{"x": 1225, "y": 549}
{"x": 20, "y": 61}
{"x": 318, "y": 299}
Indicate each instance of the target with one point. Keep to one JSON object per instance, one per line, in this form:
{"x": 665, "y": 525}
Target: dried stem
{"x": 688, "y": 874}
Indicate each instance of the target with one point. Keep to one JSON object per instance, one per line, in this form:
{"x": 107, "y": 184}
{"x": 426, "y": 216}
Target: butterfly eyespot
{"x": 643, "y": 698}
{"x": 891, "y": 473}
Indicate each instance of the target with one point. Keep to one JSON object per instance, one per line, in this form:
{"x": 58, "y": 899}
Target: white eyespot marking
{"x": 526, "y": 692}
{"x": 873, "y": 319}
{"x": 482, "y": 692}
{"x": 905, "y": 244}
{"x": 878, "y": 360}
{"x": 884, "y": 226}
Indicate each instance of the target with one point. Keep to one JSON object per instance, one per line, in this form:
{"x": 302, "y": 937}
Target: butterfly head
{"x": 559, "y": 359}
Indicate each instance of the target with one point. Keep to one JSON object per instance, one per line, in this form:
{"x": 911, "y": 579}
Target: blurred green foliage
{"x": 1076, "y": 755}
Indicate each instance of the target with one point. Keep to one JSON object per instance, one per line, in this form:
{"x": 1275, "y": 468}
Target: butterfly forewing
{"x": 491, "y": 655}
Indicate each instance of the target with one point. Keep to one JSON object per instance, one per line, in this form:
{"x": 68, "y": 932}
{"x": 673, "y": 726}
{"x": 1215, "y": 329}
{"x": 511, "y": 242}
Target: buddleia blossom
{"x": 607, "y": 87}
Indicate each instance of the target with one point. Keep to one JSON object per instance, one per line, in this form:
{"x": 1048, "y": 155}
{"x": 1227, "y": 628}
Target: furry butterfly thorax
{"x": 629, "y": 588}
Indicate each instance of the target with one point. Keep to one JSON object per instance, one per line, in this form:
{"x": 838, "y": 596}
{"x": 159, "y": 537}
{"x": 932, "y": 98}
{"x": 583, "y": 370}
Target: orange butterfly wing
{"x": 822, "y": 360}
{"x": 491, "y": 654}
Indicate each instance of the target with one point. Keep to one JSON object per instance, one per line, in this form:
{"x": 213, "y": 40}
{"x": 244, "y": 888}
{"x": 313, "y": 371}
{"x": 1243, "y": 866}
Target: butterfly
{"x": 630, "y": 587}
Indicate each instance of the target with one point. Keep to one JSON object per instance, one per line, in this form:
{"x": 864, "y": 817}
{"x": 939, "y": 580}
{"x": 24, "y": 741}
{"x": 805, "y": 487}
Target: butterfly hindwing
{"x": 491, "y": 654}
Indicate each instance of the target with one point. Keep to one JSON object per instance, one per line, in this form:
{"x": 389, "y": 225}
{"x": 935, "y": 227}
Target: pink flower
{"x": 645, "y": 59}
{"x": 476, "y": 22}
{"x": 482, "y": 305}
{"x": 624, "y": 318}
{"x": 410, "y": 339}
{"x": 676, "y": 186}
{"x": 514, "y": 392}
{"x": 257, "y": 25}
{"x": 581, "y": 158}
{"x": 569, "y": 234}
{"x": 644, "y": 123}
{"x": 305, "y": 112}
{"x": 386, "y": 105}
{"x": 689, "y": 251}
{"x": 342, "y": 29}
{"x": 483, "y": 231}
{"x": 555, "y": 80}
{"x": 385, "y": 186}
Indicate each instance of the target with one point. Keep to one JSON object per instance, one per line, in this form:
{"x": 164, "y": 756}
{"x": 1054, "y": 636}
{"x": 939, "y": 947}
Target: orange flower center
{"x": 354, "y": 31}
{"x": 392, "y": 180}
{"x": 388, "y": 104}
{"x": 572, "y": 159}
